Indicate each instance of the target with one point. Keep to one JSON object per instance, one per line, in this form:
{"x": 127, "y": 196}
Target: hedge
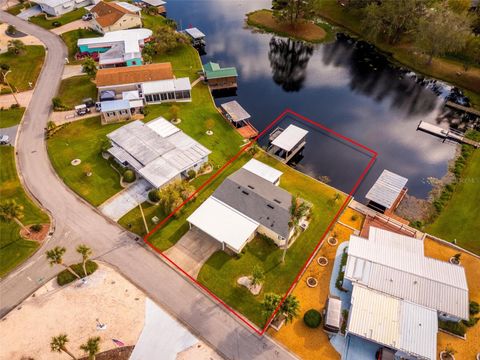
{"x": 66, "y": 277}
{"x": 129, "y": 176}
{"x": 453, "y": 327}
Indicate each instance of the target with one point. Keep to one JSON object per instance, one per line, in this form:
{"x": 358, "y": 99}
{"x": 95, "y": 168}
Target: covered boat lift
{"x": 196, "y": 36}
{"x": 239, "y": 118}
{"x": 284, "y": 144}
{"x": 387, "y": 192}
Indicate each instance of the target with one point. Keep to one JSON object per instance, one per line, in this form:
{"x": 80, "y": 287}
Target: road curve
{"x": 77, "y": 222}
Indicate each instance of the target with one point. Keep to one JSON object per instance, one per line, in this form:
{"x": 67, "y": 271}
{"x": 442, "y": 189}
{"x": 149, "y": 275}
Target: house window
{"x": 123, "y": 112}
{"x": 164, "y": 96}
{"x": 110, "y": 113}
{"x": 148, "y": 98}
{"x": 171, "y": 96}
{"x": 156, "y": 97}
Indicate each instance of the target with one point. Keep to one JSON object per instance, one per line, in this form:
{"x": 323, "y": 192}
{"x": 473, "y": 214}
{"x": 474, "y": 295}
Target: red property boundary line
{"x": 260, "y": 332}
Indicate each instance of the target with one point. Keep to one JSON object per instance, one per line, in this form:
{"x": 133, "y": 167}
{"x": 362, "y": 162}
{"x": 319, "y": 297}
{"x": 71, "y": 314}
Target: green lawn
{"x": 42, "y": 21}
{"x": 185, "y": 61}
{"x": 153, "y": 22}
{"x": 16, "y": 9}
{"x": 459, "y": 218}
{"x": 71, "y": 37}
{"x": 82, "y": 140}
{"x": 24, "y": 68}
{"x": 11, "y": 117}
{"x": 73, "y": 90}
{"x": 221, "y": 271}
{"x": 13, "y": 248}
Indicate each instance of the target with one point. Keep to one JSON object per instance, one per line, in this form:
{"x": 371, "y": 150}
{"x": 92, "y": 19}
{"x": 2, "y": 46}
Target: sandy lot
{"x": 73, "y": 310}
{"x": 4, "y": 39}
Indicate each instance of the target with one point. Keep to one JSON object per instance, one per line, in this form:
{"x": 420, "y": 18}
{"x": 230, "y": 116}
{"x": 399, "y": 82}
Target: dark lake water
{"x": 338, "y": 84}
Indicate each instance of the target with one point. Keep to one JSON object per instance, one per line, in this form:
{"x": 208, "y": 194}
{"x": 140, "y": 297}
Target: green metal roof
{"x": 214, "y": 71}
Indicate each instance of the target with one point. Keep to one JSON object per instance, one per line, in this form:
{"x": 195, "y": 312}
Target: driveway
{"x": 30, "y": 12}
{"x": 11, "y": 132}
{"x": 193, "y": 250}
{"x": 74, "y": 25}
{"x": 121, "y": 203}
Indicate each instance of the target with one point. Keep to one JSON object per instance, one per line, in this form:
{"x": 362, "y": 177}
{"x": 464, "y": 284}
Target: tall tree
{"x": 89, "y": 67}
{"x": 58, "y": 344}
{"x": 55, "y": 257}
{"x": 290, "y": 308}
{"x": 86, "y": 252}
{"x": 389, "y": 20}
{"x": 442, "y": 31}
{"x": 298, "y": 209}
{"x": 11, "y": 211}
{"x": 91, "y": 347}
{"x": 16, "y": 47}
{"x": 293, "y": 11}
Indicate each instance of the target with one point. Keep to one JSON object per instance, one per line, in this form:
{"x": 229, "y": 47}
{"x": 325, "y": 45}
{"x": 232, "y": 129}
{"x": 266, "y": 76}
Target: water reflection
{"x": 289, "y": 60}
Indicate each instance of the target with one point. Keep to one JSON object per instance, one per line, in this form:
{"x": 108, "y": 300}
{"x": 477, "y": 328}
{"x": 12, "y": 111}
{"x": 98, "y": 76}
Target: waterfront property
{"x": 244, "y": 205}
{"x": 219, "y": 78}
{"x": 196, "y": 36}
{"x": 154, "y": 82}
{"x": 387, "y": 192}
{"x": 158, "y": 4}
{"x": 129, "y": 107}
{"x": 116, "y": 48}
{"x": 157, "y": 151}
{"x": 239, "y": 118}
{"x": 284, "y": 144}
{"x": 114, "y": 16}
{"x": 60, "y": 7}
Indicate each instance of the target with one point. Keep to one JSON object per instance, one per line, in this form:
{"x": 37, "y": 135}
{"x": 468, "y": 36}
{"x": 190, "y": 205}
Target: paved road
{"x": 77, "y": 222}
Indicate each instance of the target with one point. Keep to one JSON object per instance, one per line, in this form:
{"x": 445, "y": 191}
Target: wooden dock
{"x": 468, "y": 110}
{"x": 445, "y": 134}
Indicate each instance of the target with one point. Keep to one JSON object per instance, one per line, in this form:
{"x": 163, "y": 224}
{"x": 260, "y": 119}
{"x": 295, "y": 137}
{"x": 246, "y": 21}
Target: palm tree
{"x": 269, "y": 304}
{"x": 290, "y": 308}
{"x": 86, "y": 252}
{"x": 10, "y": 210}
{"x": 257, "y": 275}
{"x": 298, "y": 209}
{"x": 58, "y": 345}
{"x": 91, "y": 347}
{"x": 55, "y": 257}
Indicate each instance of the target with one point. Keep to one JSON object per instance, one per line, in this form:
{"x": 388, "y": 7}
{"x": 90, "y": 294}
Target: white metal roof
{"x": 163, "y": 86}
{"x": 195, "y": 33}
{"x": 386, "y": 189}
{"x": 130, "y": 38}
{"x": 182, "y": 84}
{"x": 235, "y": 111}
{"x": 128, "y": 6}
{"x": 223, "y": 223}
{"x": 263, "y": 170}
{"x": 403, "y": 271}
{"x": 130, "y": 95}
{"x": 163, "y": 128}
{"x": 333, "y": 317}
{"x": 290, "y": 137}
{"x": 154, "y": 2}
{"x": 392, "y": 322}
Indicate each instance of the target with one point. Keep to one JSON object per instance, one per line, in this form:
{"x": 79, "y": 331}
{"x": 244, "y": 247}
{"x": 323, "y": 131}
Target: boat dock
{"x": 445, "y": 134}
{"x": 284, "y": 144}
{"x": 468, "y": 110}
{"x": 239, "y": 118}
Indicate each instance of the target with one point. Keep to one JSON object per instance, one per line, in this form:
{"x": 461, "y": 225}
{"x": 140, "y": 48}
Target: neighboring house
{"x": 399, "y": 293}
{"x": 246, "y": 203}
{"x": 128, "y": 108}
{"x": 113, "y": 16}
{"x": 117, "y": 48}
{"x": 154, "y": 82}
{"x": 220, "y": 78}
{"x": 60, "y": 7}
{"x": 159, "y": 4}
{"x": 157, "y": 151}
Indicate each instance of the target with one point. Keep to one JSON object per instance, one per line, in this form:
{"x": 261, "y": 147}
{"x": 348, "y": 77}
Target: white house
{"x": 60, "y": 7}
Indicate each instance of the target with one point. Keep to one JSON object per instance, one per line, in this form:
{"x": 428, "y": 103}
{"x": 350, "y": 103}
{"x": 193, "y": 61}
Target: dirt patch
{"x": 307, "y": 31}
{"x": 36, "y": 235}
{"x": 122, "y": 353}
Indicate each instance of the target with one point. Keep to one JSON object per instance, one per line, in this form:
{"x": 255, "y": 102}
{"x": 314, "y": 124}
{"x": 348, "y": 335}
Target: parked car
{"x": 87, "y": 17}
{"x": 4, "y": 139}
{"x": 88, "y": 102}
{"x": 81, "y": 110}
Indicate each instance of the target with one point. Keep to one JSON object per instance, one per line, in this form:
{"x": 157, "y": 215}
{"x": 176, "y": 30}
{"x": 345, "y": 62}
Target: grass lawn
{"x": 16, "y": 9}
{"x": 11, "y": 117}
{"x": 221, "y": 271}
{"x": 13, "y": 248}
{"x": 41, "y": 20}
{"x": 441, "y": 68}
{"x": 24, "y": 68}
{"x": 70, "y": 38}
{"x": 153, "y": 22}
{"x": 185, "y": 61}
{"x": 73, "y": 90}
{"x": 82, "y": 140}
{"x": 264, "y": 19}
{"x": 459, "y": 218}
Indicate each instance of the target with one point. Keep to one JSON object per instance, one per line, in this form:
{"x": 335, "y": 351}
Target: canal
{"x": 342, "y": 84}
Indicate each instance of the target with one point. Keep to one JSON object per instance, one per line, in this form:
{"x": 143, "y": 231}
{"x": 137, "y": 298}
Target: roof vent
{"x": 251, "y": 187}
{"x": 243, "y": 191}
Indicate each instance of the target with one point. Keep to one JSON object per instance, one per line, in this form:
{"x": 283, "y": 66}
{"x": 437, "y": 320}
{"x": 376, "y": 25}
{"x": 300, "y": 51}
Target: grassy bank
{"x": 458, "y": 218}
{"x": 47, "y": 23}
{"x": 308, "y": 31}
{"x": 404, "y": 52}
{"x": 11, "y": 117}
{"x": 13, "y": 248}
{"x": 73, "y": 90}
{"x": 24, "y": 68}
{"x": 221, "y": 271}
{"x": 83, "y": 140}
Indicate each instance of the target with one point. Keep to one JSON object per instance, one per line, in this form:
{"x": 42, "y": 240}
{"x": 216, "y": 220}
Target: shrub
{"x": 129, "y": 176}
{"x": 354, "y": 217}
{"x": 36, "y": 227}
{"x": 471, "y": 322}
{"x": 66, "y": 277}
{"x": 312, "y": 318}
{"x": 453, "y": 327}
{"x": 57, "y": 104}
{"x": 341, "y": 272}
{"x": 191, "y": 174}
{"x": 154, "y": 195}
{"x": 14, "y": 106}
{"x": 474, "y": 308}
{"x": 344, "y": 321}
{"x": 56, "y": 24}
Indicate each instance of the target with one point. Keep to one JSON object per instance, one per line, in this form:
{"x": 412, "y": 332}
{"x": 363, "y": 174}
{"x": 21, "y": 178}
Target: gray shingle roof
{"x": 258, "y": 199}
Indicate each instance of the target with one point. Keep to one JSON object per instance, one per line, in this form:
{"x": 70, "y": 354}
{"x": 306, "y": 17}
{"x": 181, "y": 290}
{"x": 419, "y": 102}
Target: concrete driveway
{"x": 30, "y": 12}
{"x": 11, "y": 132}
{"x": 193, "y": 250}
{"x": 121, "y": 203}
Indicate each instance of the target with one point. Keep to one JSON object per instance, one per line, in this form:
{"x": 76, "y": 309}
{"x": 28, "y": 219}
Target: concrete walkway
{"x": 193, "y": 250}
{"x": 63, "y": 117}
{"x": 23, "y": 98}
{"x": 71, "y": 71}
{"x": 200, "y": 78}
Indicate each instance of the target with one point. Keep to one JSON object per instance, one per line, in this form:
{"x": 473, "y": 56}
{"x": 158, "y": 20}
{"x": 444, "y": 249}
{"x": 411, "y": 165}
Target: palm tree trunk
{"x": 285, "y": 251}
{"x": 21, "y": 225}
{"x": 65, "y": 350}
{"x": 84, "y": 267}
{"x": 71, "y": 271}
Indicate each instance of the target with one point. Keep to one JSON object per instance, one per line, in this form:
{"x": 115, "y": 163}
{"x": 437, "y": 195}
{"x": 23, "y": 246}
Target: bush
{"x": 36, "y": 227}
{"x": 154, "y": 196}
{"x": 66, "y": 277}
{"x": 191, "y": 174}
{"x": 56, "y": 24}
{"x": 341, "y": 272}
{"x": 129, "y": 176}
{"x": 14, "y": 106}
{"x": 471, "y": 322}
{"x": 474, "y": 308}
{"x": 453, "y": 327}
{"x": 312, "y": 318}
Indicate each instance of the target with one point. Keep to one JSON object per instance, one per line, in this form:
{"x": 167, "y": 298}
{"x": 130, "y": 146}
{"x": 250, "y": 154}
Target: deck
{"x": 468, "y": 110}
{"x": 248, "y": 131}
{"x": 446, "y": 134}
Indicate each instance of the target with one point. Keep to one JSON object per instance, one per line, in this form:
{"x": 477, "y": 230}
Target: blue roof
{"x": 115, "y": 105}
